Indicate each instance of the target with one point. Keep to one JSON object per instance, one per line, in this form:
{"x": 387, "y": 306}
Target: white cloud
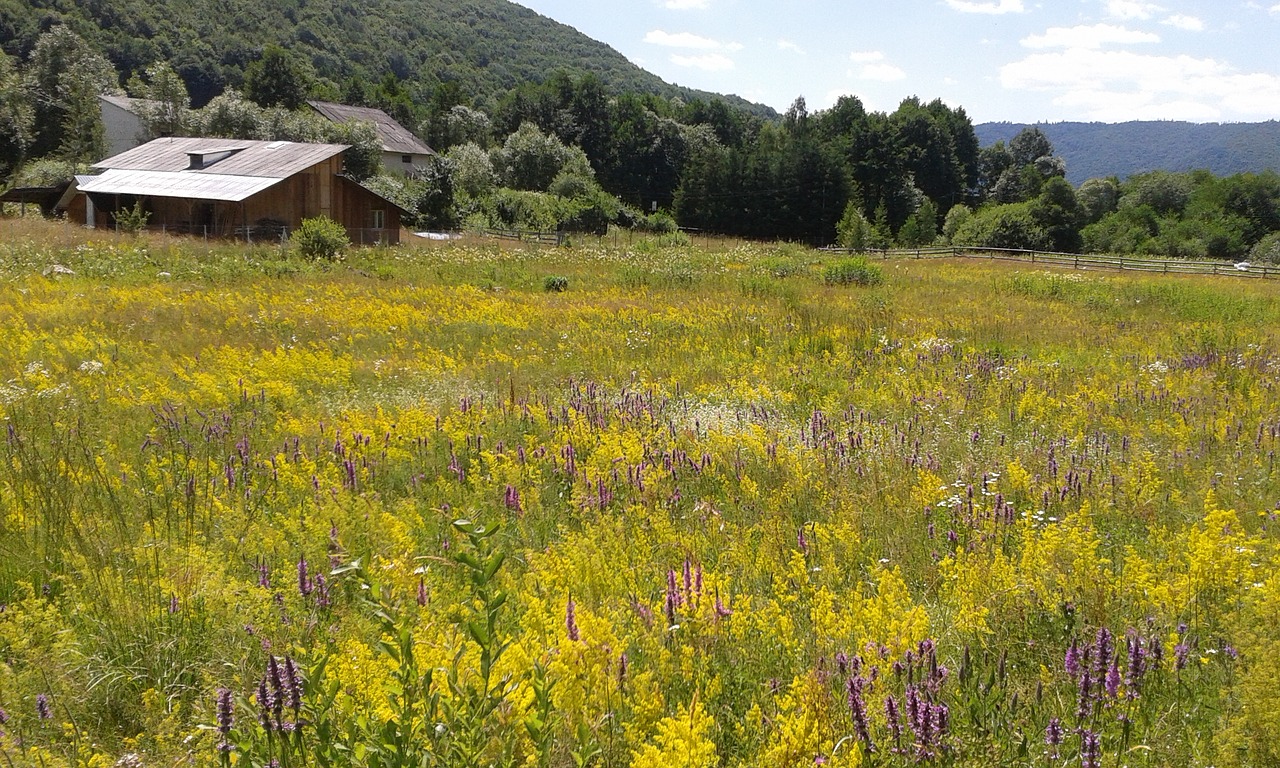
{"x": 1131, "y": 9}
{"x": 882, "y": 73}
{"x": 1275, "y": 9}
{"x": 710, "y": 62}
{"x": 1121, "y": 85}
{"x": 681, "y": 40}
{"x": 1094, "y": 36}
{"x": 874, "y": 67}
{"x": 1186, "y": 23}
{"x": 687, "y": 5}
{"x": 996, "y": 8}
{"x": 787, "y": 45}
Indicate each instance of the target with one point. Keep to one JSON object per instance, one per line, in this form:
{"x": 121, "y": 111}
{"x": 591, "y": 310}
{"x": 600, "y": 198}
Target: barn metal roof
{"x": 394, "y": 136}
{"x": 193, "y": 185}
{"x": 266, "y": 159}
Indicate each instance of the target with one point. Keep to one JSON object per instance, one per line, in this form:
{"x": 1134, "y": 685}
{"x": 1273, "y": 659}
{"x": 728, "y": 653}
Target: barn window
{"x": 379, "y": 218}
{"x": 406, "y": 159}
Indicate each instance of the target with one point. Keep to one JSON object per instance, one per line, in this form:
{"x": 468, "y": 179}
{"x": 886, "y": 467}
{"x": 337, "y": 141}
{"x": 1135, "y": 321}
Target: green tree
{"x": 276, "y": 79}
{"x": 1058, "y": 213}
{"x": 955, "y": 218}
{"x": 166, "y": 110}
{"x": 65, "y": 77}
{"x": 531, "y": 159}
{"x": 17, "y": 119}
{"x": 921, "y": 227}
{"x": 853, "y": 231}
{"x": 363, "y": 158}
{"x": 1098, "y": 197}
{"x": 230, "y": 116}
{"x": 473, "y": 173}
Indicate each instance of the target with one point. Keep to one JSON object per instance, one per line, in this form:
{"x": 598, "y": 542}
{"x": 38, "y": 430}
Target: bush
{"x": 320, "y": 238}
{"x": 555, "y": 284}
{"x": 1267, "y": 250}
{"x": 132, "y": 220}
{"x": 852, "y": 271}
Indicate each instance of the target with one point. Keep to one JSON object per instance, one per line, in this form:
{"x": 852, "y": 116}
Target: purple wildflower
{"x": 1084, "y": 696}
{"x": 894, "y": 720}
{"x": 1053, "y": 737}
{"x": 226, "y": 718}
{"x": 1136, "y": 667}
{"x": 304, "y": 580}
{"x": 1090, "y": 749}
{"x": 292, "y": 685}
{"x": 858, "y": 708}
{"x": 722, "y": 612}
{"x": 571, "y": 620}
{"x": 422, "y": 592}
{"x": 1072, "y": 660}
{"x": 1101, "y": 653}
{"x": 265, "y": 705}
{"x": 1112, "y": 681}
{"x": 688, "y": 582}
{"x": 43, "y": 710}
{"x": 1180, "y": 653}
{"x": 623, "y": 662}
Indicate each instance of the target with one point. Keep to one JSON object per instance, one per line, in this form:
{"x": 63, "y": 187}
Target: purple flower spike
{"x": 571, "y": 620}
{"x": 304, "y": 579}
{"x": 858, "y": 709}
{"x": 43, "y": 710}
{"x": 226, "y": 718}
{"x": 1053, "y": 737}
{"x": 1090, "y": 749}
{"x": 1072, "y": 660}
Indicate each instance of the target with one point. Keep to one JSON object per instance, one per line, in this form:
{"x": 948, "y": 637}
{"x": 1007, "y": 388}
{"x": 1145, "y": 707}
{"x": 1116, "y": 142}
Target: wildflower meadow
{"x": 693, "y": 506}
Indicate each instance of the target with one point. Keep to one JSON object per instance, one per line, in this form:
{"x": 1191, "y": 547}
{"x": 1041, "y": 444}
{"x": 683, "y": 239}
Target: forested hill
{"x": 486, "y": 47}
{"x": 1099, "y": 150}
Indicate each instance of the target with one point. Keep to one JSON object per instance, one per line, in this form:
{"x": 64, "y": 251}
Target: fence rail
{"x": 1077, "y": 261}
{"x": 524, "y": 235}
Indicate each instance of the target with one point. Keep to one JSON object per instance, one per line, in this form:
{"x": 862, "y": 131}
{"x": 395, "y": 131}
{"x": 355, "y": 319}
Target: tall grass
{"x": 700, "y": 507}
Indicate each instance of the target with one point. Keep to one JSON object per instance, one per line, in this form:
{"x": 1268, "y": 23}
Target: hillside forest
{"x": 572, "y": 153}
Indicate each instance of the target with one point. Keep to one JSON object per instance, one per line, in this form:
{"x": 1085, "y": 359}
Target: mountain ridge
{"x": 486, "y": 47}
{"x": 1098, "y": 150}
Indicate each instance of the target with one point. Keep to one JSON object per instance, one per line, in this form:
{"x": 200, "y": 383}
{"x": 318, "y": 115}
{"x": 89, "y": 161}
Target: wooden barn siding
{"x": 355, "y": 206}
{"x": 316, "y": 191}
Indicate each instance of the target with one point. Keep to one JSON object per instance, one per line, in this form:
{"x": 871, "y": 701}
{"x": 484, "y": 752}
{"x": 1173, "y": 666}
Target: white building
{"x": 402, "y": 152}
{"x": 123, "y": 126}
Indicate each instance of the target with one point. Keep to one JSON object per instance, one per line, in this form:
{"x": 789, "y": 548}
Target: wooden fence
{"x": 524, "y": 235}
{"x": 1078, "y": 261}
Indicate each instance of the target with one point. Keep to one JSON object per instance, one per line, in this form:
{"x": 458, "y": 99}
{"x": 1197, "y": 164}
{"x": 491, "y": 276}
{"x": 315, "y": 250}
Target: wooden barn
{"x": 252, "y": 190}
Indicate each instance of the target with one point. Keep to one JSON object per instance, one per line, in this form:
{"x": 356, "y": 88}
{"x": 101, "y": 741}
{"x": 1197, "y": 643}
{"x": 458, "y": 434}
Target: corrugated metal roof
{"x": 271, "y": 159}
{"x": 394, "y": 137}
{"x": 191, "y": 185}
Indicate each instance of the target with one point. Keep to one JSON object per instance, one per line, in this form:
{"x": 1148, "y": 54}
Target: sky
{"x": 1001, "y": 60}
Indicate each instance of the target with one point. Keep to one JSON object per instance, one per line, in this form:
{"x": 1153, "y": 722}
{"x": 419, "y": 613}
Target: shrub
{"x": 132, "y": 220}
{"x": 1267, "y": 249}
{"x": 853, "y": 271}
{"x": 555, "y": 284}
{"x": 320, "y": 238}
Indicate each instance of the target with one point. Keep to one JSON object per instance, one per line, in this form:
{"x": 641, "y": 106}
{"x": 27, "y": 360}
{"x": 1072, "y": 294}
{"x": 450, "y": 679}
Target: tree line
{"x": 568, "y": 153}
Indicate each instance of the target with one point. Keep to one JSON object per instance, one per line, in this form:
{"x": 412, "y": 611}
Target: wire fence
{"x": 1078, "y": 261}
{"x": 264, "y": 233}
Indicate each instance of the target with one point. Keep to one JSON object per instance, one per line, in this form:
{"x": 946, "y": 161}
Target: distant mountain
{"x": 1095, "y": 150}
{"x": 485, "y": 46}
